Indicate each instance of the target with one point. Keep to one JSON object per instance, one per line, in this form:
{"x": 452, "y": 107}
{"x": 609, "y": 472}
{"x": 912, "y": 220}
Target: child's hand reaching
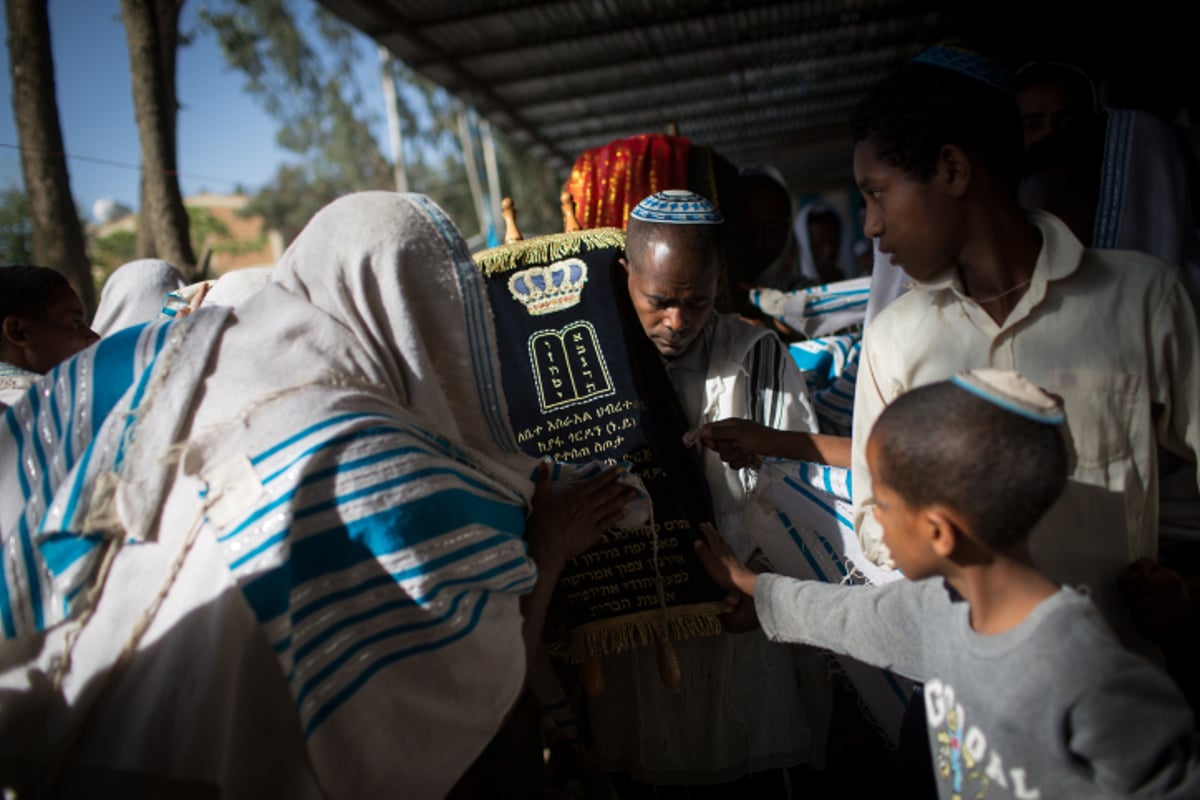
{"x": 721, "y": 564}
{"x": 739, "y": 442}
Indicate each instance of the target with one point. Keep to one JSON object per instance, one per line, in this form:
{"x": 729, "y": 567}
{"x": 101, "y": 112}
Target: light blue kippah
{"x": 968, "y": 64}
{"x": 1010, "y": 391}
{"x": 677, "y": 207}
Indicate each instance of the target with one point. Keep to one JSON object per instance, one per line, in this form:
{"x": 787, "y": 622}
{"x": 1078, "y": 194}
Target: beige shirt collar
{"x": 1059, "y": 257}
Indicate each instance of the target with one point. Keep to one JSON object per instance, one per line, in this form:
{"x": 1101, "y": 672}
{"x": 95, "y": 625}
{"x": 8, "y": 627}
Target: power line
{"x": 120, "y": 164}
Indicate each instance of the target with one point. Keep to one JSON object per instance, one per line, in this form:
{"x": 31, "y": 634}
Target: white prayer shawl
{"x": 68, "y": 439}
{"x": 800, "y": 516}
{"x": 134, "y": 294}
{"x": 832, "y": 317}
{"x": 750, "y": 376}
{"x": 235, "y": 287}
{"x": 347, "y": 517}
{"x": 818, "y": 310}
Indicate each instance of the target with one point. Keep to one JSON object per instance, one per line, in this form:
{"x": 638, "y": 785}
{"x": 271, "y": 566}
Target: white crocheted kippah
{"x": 677, "y": 207}
{"x": 1012, "y": 392}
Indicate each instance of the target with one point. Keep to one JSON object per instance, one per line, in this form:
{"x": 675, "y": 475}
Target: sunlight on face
{"x": 673, "y": 291}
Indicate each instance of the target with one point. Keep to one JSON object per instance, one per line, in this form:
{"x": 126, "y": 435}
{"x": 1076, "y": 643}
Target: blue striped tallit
{"x": 818, "y": 310}
{"x": 56, "y": 443}
{"x": 1113, "y": 176}
{"x": 801, "y": 518}
{"x": 374, "y": 545}
{"x": 830, "y": 368}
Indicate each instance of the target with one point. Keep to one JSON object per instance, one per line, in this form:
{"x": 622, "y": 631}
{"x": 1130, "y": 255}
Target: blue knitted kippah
{"x": 967, "y": 63}
{"x": 677, "y": 207}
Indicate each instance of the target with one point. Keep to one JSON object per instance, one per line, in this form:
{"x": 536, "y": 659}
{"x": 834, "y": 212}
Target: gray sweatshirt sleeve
{"x": 879, "y": 625}
{"x": 1134, "y": 732}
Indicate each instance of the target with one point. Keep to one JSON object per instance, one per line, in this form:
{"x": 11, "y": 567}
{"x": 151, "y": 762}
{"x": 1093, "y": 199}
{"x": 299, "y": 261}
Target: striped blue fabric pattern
{"x": 1117, "y": 152}
{"x": 818, "y": 310}
{"x": 374, "y": 541}
{"x": 830, "y": 369}
{"x": 831, "y": 298}
{"x": 66, "y": 432}
{"x": 822, "y": 360}
{"x": 806, "y": 530}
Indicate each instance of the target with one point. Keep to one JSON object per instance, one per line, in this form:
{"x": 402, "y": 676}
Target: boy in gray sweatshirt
{"x": 1027, "y": 692}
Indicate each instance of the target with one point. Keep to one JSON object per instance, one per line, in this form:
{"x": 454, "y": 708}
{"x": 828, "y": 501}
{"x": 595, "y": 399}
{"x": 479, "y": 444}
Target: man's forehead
{"x": 678, "y": 272}
{"x": 665, "y": 261}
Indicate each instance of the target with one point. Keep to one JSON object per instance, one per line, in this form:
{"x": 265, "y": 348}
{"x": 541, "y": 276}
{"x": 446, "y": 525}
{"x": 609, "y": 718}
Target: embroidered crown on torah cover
{"x": 544, "y": 290}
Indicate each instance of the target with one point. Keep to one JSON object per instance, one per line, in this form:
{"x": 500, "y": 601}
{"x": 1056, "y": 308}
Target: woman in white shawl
{"x": 824, "y": 245}
{"x": 817, "y": 252}
{"x": 293, "y": 575}
{"x": 134, "y": 294}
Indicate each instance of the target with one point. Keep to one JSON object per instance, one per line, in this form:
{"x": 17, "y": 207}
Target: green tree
{"x": 205, "y": 228}
{"x": 533, "y": 186}
{"x": 110, "y": 252}
{"x": 307, "y": 83}
{"x": 315, "y": 100}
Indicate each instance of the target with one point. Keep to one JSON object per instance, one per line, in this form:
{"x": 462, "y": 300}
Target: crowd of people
{"x": 274, "y": 535}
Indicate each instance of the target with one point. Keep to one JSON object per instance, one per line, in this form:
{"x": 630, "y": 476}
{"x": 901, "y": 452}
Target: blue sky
{"x": 225, "y": 138}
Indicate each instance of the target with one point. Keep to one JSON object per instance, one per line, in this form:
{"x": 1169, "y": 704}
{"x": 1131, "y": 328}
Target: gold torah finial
{"x": 567, "y": 203}
{"x": 509, "y": 212}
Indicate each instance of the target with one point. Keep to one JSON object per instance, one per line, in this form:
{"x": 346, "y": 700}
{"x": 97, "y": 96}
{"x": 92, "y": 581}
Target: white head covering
{"x": 380, "y": 290}
{"x": 234, "y": 287}
{"x": 846, "y": 265}
{"x": 134, "y": 294}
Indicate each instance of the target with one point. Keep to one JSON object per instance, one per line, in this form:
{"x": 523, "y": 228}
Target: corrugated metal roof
{"x": 761, "y": 82}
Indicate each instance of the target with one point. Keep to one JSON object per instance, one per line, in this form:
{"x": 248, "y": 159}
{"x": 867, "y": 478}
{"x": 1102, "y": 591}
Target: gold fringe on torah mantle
{"x": 546, "y": 249}
{"x": 611, "y": 636}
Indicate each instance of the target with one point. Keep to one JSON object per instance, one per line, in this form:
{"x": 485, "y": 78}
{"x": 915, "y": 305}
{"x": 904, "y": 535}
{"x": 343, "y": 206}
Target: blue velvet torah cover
{"x": 583, "y": 383}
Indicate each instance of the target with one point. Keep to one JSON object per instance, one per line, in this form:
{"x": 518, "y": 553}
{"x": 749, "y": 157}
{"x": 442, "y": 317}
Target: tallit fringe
{"x": 619, "y": 634}
{"x": 546, "y": 249}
